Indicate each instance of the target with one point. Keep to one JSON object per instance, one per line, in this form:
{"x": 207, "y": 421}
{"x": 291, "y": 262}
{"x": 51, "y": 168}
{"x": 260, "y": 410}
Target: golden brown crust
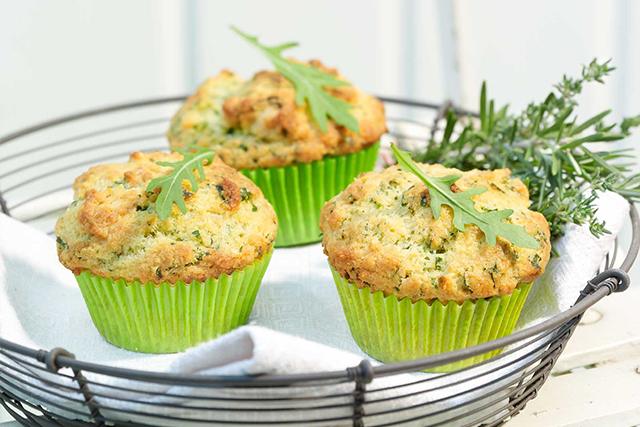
{"x": 380, "y": 232}
{"x": 112, "y": 231}
{"x": 257, "y": 123}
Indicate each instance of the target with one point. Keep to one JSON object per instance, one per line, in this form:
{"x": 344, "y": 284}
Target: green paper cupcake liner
{"x": 166, "y": 318}
{"x": 299, "y": 191}
{"x": 392, "y": 331}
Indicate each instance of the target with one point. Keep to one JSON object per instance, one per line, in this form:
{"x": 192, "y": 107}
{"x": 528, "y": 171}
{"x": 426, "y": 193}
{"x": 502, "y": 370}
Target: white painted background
{"x": 63, "y": 56}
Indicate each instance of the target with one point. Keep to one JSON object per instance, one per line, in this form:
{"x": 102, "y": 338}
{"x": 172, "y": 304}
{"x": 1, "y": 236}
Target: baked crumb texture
{"x": 257, "y": 124}
{"x": 111, "y": 228}
{"x": 380, "y": 232}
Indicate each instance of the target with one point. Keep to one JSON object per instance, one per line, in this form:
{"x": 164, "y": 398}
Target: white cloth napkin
{"x": 41, "y": 307}
{"x": 581, "y": 255}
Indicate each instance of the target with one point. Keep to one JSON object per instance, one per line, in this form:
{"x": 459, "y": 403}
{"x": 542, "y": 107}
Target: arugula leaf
{"x": 171, "y": 184}
{"x": 309, "y": 83}
{"x": 464, "y": 211}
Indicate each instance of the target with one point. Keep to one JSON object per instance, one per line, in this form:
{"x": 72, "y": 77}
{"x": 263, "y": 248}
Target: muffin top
{"x": 257, "y": 123}
{"x": 380, "y": 232}
{"x": 112, "y": 230}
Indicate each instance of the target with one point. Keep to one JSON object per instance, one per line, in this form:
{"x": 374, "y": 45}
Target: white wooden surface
{"x": 600, "y": 385}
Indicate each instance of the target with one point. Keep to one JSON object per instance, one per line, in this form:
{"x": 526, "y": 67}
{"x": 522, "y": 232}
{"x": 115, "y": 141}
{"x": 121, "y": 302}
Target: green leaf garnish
{"x": 171, "y": 184}
{"x": 309, "y": 83}
{"x": 464, "y": 212}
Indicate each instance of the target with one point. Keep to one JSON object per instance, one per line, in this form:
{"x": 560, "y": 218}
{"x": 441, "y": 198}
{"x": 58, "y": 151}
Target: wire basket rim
{"x": 68, "y": 360}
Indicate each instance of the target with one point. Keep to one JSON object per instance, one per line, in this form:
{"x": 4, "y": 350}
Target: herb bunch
{"x": 548, "y": 149}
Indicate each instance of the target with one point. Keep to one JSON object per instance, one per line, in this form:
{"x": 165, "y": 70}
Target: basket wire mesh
{"x": 52, "y": 388}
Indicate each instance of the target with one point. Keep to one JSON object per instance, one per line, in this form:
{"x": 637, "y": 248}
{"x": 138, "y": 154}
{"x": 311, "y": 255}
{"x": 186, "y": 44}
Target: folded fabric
{"x": 580, "y": 257}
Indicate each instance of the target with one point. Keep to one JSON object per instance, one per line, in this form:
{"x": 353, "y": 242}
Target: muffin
{"x": 159, "y": 286}
{"x": 413, "y": 286}
{"x": 257, "y": 127}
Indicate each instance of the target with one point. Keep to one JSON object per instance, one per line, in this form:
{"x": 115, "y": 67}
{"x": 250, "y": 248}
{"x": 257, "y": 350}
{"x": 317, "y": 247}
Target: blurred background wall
{"x": 64, "y": 56}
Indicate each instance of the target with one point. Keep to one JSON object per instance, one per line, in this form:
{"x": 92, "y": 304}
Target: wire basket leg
{"x": 50, "y": 360}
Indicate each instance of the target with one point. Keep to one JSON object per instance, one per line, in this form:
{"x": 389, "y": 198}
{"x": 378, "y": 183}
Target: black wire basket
{"x": 52, "y": 388}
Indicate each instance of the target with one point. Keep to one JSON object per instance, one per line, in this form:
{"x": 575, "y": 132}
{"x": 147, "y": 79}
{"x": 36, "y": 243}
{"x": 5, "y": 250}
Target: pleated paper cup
{"x": 299, "y": 191}
{"x": 393, "y": 331}
{"x": 168, "y": 318}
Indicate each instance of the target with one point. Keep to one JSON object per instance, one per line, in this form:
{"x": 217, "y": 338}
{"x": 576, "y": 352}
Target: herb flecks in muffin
{"x": 229, "y": 193}
{"x": 441, "y": 192}
{"x": 402, "y": 245}
{"x": 245, "y": 194}
{"x": 62, "y": 243}
{"x": 170, "y": 185}
{"x": 535, "y": 261}
{"x": 310, "y": 85}
{"x": 114, "y": 232}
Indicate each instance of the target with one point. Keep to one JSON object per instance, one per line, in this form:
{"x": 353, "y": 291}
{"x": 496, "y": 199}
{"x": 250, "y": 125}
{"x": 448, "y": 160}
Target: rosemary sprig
{"x": 549, "y": 150}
